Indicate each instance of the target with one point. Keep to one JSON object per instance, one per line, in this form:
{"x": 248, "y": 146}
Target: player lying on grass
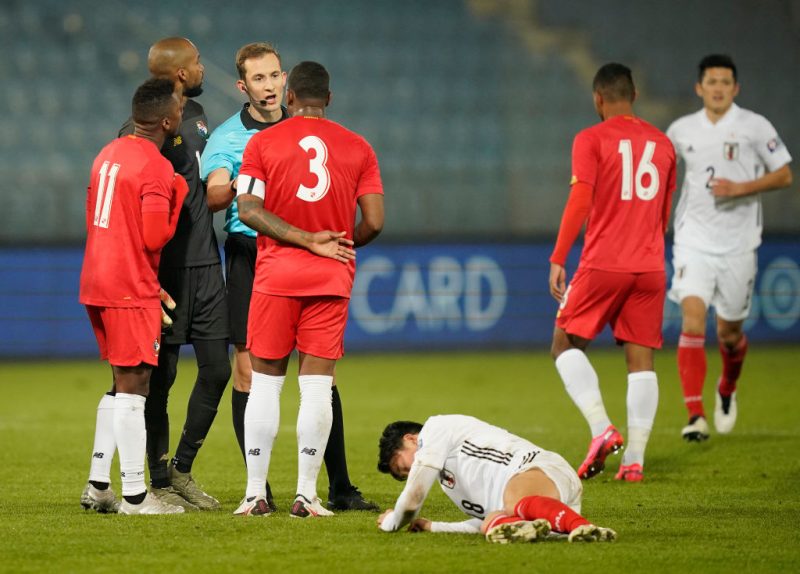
{"x": 514, "y": 490}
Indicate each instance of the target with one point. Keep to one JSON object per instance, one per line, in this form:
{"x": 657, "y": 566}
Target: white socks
{"x": 104, "y": 442}
{"x": 642, "y": 404}
{"x": 583, "y": 387}
{"x": 131, "y": 439}
{"x": 313, "y": 429}
{"x": 261, "y": 419}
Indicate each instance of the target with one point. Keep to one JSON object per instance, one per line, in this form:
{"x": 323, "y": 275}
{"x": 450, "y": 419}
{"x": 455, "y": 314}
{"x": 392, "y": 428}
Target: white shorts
{"x": 561, "y": 473}
{"x": 724, "y": 281}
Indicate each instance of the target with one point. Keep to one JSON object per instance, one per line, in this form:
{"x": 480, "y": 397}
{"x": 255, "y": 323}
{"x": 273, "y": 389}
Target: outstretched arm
{"x": 332, "y": 244}
{"x": 420, "y": 480}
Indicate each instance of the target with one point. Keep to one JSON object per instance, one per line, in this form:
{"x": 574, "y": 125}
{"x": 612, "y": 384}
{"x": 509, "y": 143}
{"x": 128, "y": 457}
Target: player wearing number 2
{"x": 298, "y": 187}
{"x": 623, "y": 178}
{"x": 731, "y": 155}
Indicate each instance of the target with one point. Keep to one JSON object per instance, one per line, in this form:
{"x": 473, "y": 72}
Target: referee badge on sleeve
{"x": 731, "y": 151}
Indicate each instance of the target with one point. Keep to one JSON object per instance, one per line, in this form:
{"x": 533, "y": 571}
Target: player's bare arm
{"x": 778, "y": 179}
{"x": 371, "y": 224}
{"x": 331, "y": 244}
{"x": 220, "y": 190}
{"x": 558, "y": 281}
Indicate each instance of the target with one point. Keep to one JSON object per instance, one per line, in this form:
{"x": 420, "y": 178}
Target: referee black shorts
{"x": 240, "y": 270}
{"x": 201, "y": 311}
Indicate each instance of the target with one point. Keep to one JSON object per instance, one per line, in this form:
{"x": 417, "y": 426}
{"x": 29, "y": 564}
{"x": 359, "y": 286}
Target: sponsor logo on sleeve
{"x": 202, "y": 129}
{"x": 774, "y": 144}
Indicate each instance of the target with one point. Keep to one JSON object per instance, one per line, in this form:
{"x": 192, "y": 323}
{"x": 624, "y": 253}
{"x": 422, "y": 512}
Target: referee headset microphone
{"x": 249, "y": 95}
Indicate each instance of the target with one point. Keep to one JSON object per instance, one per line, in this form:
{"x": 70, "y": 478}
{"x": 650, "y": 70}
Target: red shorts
{"x": 632, "y": 303}
{"x": 314, "y": 325}
{"x": 127, "y": 336}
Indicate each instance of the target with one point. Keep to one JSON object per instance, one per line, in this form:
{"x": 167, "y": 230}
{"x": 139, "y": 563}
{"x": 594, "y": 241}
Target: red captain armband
{"x": 180, "y": 189}
{"x": 575, "y": 213}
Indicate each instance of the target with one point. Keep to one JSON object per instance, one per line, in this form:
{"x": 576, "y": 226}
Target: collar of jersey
{"x": 251, "y": 123}
{"x": 729, "y": 117}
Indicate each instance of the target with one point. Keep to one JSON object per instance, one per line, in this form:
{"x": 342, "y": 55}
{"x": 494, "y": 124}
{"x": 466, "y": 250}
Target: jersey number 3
{"x": 316, "y": 165}
{"x": 105, "y": 194}
{"x": 645, "y": 168}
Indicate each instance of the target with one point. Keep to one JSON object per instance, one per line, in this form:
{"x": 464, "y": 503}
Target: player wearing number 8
{"x": 513, "y": 490}
{"x": 623, "y": 179}
{"x": 298, "y": 187}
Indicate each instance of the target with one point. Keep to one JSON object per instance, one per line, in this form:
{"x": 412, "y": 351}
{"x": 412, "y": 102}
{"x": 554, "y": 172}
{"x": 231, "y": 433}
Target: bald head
{"x": 167, "y": 56}
{"x": 178, "y": 60}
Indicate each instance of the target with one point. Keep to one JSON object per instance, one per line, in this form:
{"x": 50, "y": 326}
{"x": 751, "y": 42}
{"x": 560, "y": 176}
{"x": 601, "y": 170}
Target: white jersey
{"x": 475, "y": 460}
{"x": 741, "y": 146}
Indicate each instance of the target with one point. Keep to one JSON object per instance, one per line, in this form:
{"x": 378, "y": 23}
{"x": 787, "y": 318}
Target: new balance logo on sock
{"x": 559, "y": 516}
{"x": 308, "y": 451}
{"x": 97, "y": 455}
{"x": 254, "y": 452}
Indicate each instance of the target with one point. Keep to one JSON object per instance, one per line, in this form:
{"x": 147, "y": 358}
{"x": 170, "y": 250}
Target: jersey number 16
{"x": 645, "y": 168}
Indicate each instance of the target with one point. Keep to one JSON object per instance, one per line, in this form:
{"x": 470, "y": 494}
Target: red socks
{"x": 561, "y": 517}
{"x": 692, "y": 371}
{"x": 732, "y": 360}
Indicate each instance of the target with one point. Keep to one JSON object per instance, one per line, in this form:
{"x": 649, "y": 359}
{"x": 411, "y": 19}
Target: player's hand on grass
{"x": 558, "y": 281}
{"x": 168, "y": 302}
{"x": 332, "y": 244}
{"x": 383, "y": 516}
{"x": 420, "y": 525}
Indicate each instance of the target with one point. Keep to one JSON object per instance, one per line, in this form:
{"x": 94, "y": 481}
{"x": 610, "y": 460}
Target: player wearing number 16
{"x": 298, "y": 187}
{"x": 623, "y": 177}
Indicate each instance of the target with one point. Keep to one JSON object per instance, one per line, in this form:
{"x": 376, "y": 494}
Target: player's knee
{"x": 215, "y": 375}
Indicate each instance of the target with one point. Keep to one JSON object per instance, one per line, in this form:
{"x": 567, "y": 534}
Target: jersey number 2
{"x": 316, "y": 165}
{"x": 105, "y": 194}
{"x": 646, "y": 167}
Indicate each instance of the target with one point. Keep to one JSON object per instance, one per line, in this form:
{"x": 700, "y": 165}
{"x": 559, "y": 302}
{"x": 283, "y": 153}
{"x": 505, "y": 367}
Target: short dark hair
{"x": 152, "y": 100}
{"x": 309, "y": 81}
{"x": 392, "y": 441}
{"x": 614, "y": 82}
{"x": 715, "y": 61}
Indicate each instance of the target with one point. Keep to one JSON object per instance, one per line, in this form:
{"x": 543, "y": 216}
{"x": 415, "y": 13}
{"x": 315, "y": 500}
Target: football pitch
{"x": 733, "y": 502}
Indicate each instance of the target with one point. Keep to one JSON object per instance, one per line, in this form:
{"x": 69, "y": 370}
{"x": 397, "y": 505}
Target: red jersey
{"x": 314, "y": 171}
{"x": 129, "y": 176}
{"x": 631, "y": 166}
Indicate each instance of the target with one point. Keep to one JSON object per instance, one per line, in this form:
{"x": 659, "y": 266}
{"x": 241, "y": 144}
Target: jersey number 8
{"x": 645, "y": 168}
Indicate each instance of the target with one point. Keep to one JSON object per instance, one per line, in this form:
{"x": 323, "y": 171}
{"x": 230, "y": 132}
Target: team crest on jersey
{"x": 773, "y": 144}
{"x": 731, "y": 151}
{"x": 447, "y": 478}
{"x": 202, "y": 129}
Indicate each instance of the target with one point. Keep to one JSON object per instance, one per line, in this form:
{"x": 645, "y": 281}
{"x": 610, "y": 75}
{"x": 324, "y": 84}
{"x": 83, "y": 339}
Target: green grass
{"x": 731, "y": 502}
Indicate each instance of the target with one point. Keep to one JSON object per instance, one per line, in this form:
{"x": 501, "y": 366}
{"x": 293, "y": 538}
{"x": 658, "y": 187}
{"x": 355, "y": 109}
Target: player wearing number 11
{"x": 298, "y": 187}
{"x": 623, "y": 176}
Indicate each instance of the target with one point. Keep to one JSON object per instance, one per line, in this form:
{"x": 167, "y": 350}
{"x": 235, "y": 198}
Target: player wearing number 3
{"x": 622, "y": 180}
{"x": 731, "y": 155}
{"x": 298, "y": 187}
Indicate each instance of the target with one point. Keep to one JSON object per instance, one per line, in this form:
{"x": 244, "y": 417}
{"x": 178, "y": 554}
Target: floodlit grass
{"x": 733, "y": 502}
